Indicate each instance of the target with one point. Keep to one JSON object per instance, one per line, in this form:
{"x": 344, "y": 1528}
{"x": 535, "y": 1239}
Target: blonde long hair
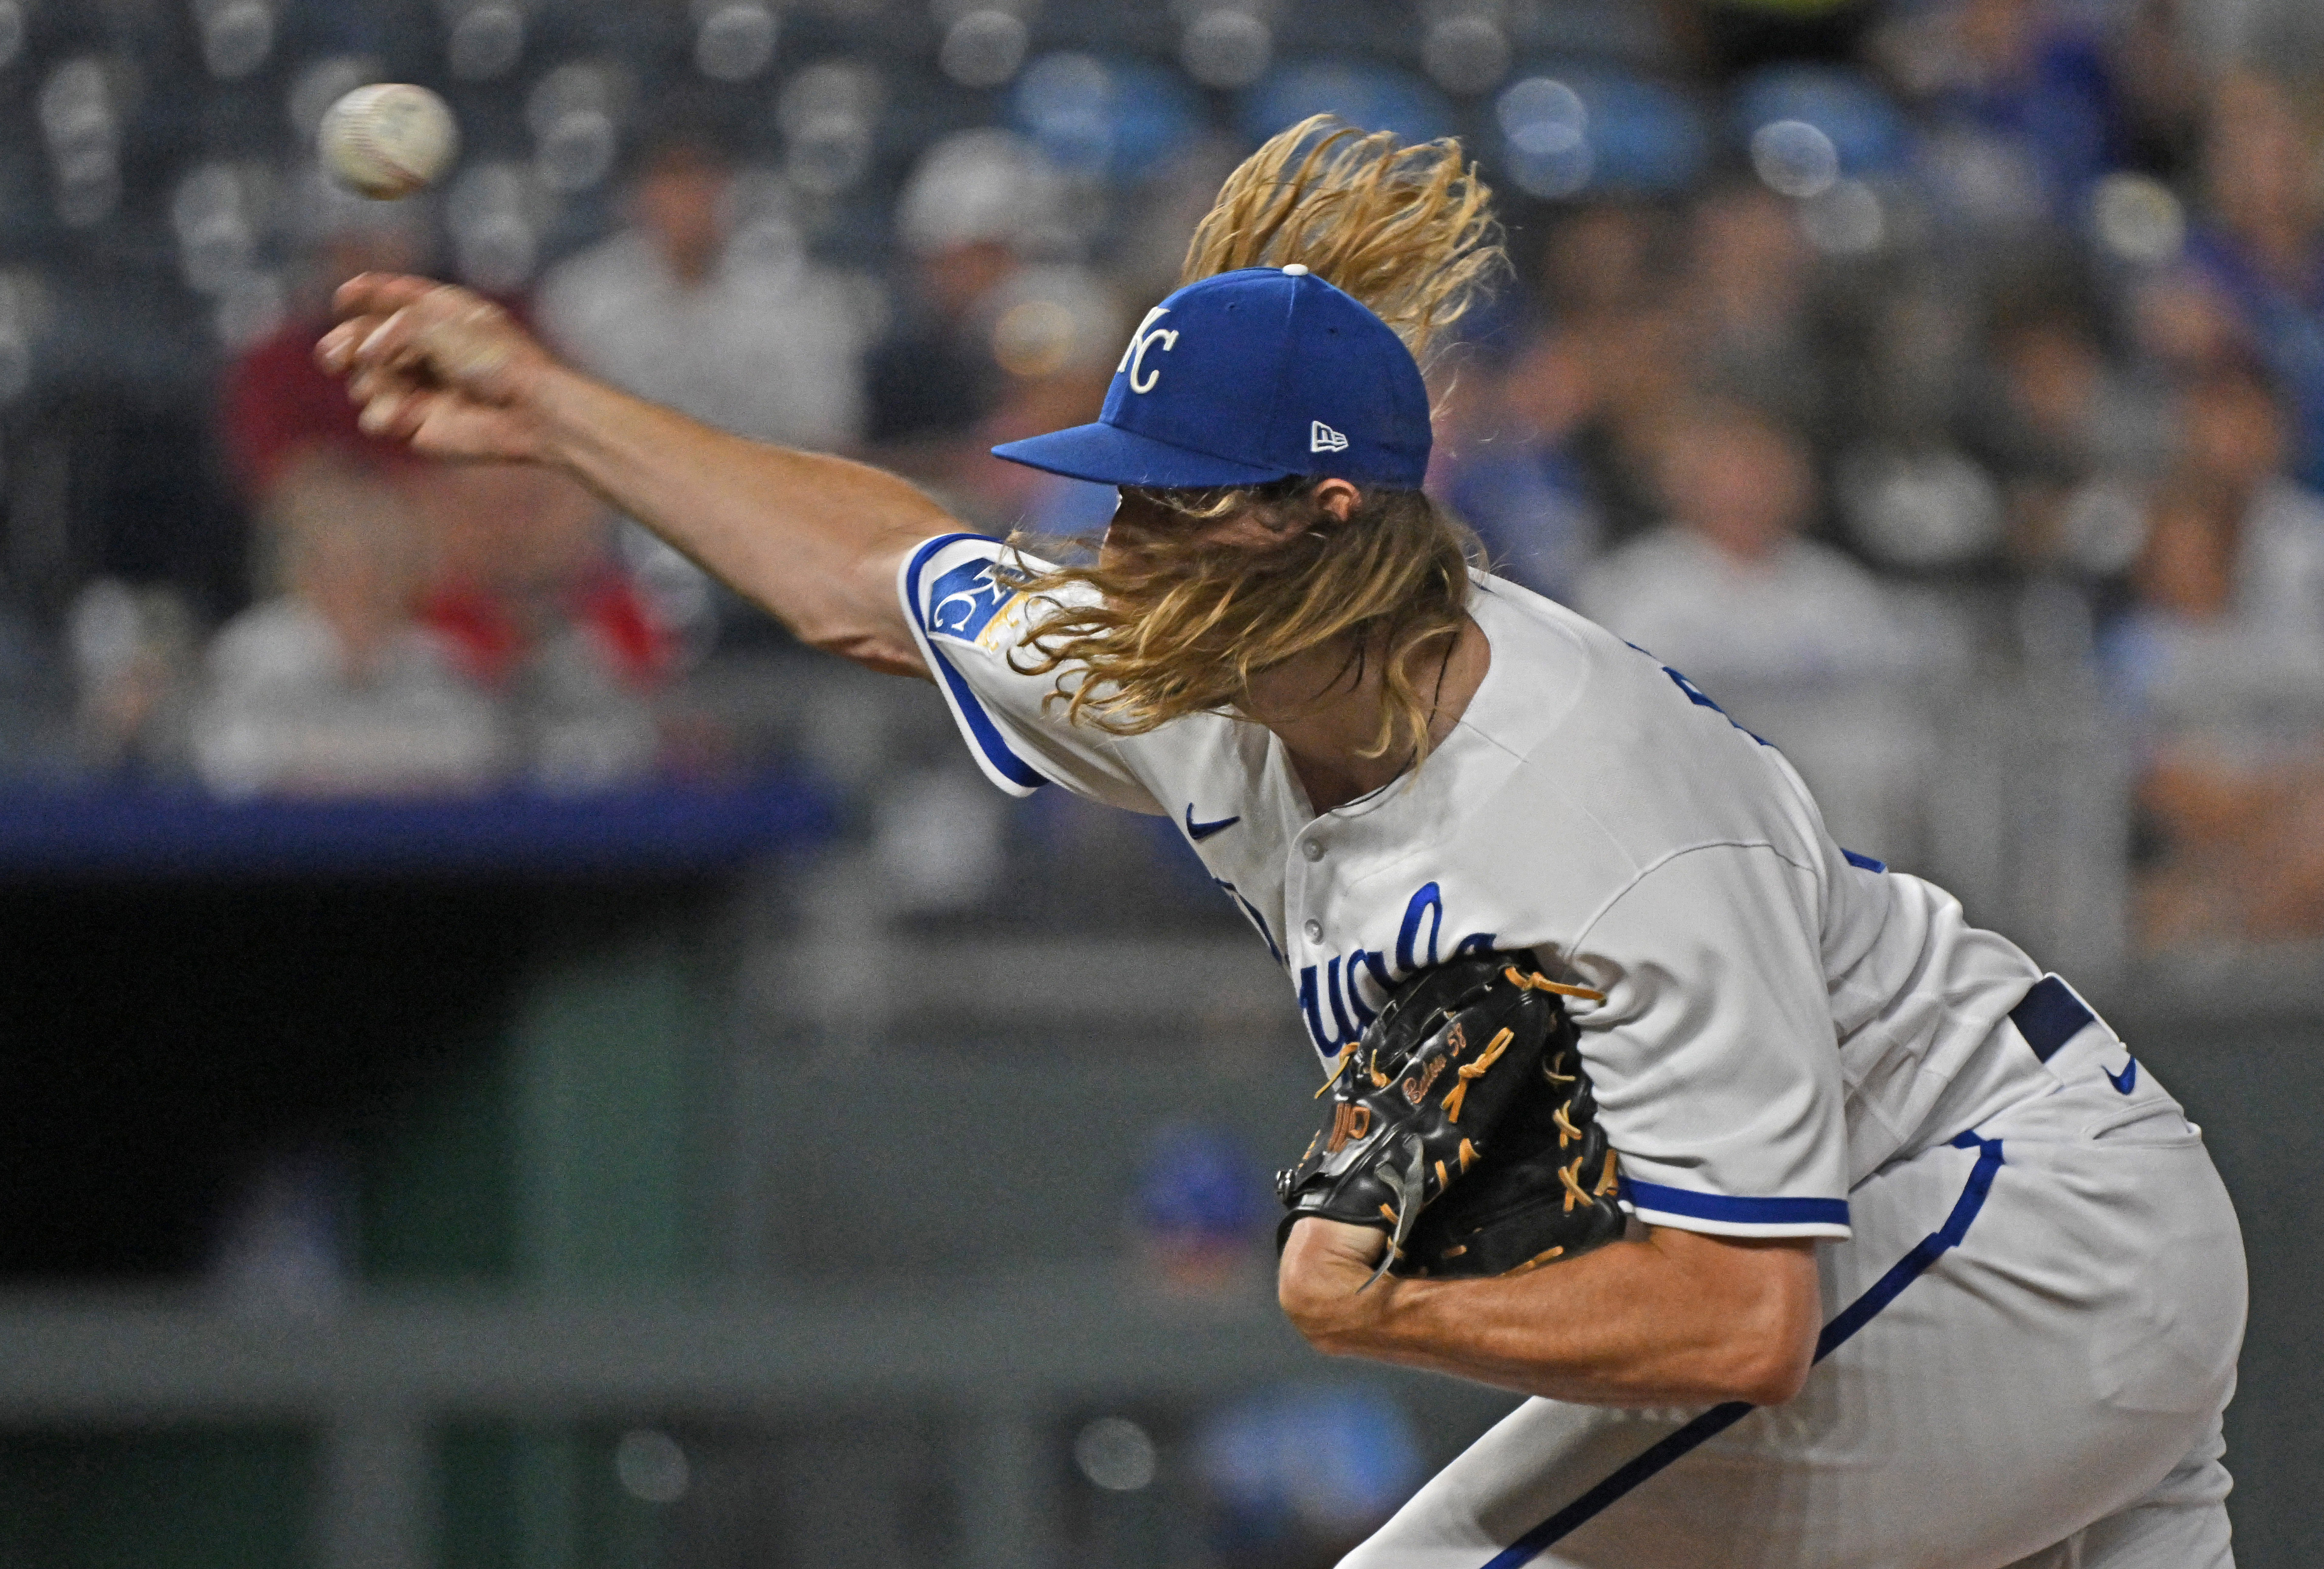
{"x": 1180, "y": 627}
{"x": 1408, "y": 230}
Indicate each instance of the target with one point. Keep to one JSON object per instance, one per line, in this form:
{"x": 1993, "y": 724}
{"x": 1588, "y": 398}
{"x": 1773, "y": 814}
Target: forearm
{"x": 1672, "y": 1319}
{"x": 813, "y": 539}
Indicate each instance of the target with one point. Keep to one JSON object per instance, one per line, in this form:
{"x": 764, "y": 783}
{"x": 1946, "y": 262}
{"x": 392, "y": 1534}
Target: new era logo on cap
{"x": 1252, "y": 376}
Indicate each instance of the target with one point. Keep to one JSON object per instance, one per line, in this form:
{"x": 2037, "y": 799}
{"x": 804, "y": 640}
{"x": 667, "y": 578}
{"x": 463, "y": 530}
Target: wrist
{"x": 1327, "y": 1287}
{"x": 559, "y": 403}
{"x": 1360, "y": 1320}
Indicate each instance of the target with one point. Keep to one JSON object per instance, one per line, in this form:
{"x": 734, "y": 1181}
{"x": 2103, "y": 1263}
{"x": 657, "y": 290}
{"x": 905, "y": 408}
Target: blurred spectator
{"x": 1507, "y": 461}
{"x": 2261, "y": 247}
{"x": 1748, "y": 272}
{"x": 134, "y": 656}
{"x": 1640, "y": 365}
{"x": 1729, "y": 590}
{"x": 1799, "y": 643}
{"x": 276, "y": 406}
{"x": 978, "y": 203}
{"x": 738, "y": 330}
{"x": 1201, "y": 1213}
{"x": 2236, "y": 435}
{"x": 715, "y": 312}
{"x": 510, "y": 569}
{"x": 332, "y": 689}
{"x": 1910, "y": 498}
{"x": 1620, "y": 357}
{"x": 1055, "y": 335}
{"x": 2232, "y": 711}
{"x": 2018, "y": 101}
{"x": 2064, "y": 431}
{"x": 534, "y": 607}
{"x": 2155, "y": 71}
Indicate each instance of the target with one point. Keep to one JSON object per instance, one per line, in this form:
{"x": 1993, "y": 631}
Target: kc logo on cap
{"x": 1133, "y": 358}
{"x": 1226, "y": 393}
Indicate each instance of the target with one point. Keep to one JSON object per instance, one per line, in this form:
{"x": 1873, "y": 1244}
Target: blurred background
{"x": 484, "y": 1004}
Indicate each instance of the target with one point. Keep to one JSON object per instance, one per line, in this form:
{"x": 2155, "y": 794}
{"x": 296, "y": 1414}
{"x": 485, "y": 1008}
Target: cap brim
{"x": 1109, "y": 454}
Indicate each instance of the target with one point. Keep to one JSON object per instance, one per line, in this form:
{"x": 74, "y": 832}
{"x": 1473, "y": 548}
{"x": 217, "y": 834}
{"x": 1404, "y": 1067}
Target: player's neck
{"x": 1325, "y": 708}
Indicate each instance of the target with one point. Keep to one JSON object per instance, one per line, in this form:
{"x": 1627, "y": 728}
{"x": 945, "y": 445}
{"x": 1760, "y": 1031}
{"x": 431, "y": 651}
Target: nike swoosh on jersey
{"x": 1198, "y": 832}
{"x": 2125, "y": 1081}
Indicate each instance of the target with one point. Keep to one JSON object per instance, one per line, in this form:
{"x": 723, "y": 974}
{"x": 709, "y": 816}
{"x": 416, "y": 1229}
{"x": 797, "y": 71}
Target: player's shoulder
{"x": 1625, "y": 741}
{"x": 1557, "y": 674}
{"x": 969, "y": 590}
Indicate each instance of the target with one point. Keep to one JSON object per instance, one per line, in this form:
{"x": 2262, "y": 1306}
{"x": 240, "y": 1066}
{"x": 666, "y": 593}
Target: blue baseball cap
{"x": 1249, "y": 376}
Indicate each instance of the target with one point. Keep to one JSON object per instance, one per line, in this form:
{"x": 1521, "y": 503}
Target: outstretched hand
{"x": 437, "y": 367}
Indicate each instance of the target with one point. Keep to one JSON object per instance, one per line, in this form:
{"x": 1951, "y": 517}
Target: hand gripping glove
{"x": 1469, "y": 1083}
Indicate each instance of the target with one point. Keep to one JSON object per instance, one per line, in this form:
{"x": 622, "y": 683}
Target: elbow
{"x": 1767, "y": 1373}
{"x": 1766, "y": 1361}
{"x": 1756, "y": 1313}
{"x": 873, "y": 649}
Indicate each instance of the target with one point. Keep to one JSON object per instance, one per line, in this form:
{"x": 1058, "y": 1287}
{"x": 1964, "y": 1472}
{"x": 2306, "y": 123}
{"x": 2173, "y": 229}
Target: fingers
{"x": 380, "y": 293}
{"x": 426, "y": 363}
{"x": 334, "y": 351}
{"x": 383, "y": 314}
{"x": 391, "y": 404}
{"x": 391, "y": 410}
{"x": 1337, "y": 1240}
{"x": 383, "y": 416}
{"x": 458, "y": 337}
{"x": 393, "y": 339}
{"x": 369, "y": 339}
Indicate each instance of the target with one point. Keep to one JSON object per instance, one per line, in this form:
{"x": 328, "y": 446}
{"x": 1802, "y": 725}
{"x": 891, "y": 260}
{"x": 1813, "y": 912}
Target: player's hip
{"x": 2029, "y": 1329}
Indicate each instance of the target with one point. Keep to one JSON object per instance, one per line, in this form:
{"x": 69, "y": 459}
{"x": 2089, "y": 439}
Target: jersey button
{"x": 1313, "y": 849}
{"x": 1314, "y": 930}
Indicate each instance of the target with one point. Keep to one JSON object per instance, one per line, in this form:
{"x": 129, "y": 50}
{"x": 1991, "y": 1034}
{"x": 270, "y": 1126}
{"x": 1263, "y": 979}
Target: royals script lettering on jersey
{"x": 1781, "y": 1018}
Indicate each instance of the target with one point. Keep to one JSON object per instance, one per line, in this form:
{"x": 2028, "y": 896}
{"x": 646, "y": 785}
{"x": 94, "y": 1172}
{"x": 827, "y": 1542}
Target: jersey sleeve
{"x": 1714, "y": 1056}
{"x": 967, "y": 620}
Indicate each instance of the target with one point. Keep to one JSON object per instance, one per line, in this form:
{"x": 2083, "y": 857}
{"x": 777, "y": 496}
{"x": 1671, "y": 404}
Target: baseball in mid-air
{"x": 388, "y": 141}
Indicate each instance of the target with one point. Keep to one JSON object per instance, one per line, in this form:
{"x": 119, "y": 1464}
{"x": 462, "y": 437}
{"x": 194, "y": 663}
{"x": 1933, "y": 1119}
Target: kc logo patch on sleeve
{"x": 963, "y": 601}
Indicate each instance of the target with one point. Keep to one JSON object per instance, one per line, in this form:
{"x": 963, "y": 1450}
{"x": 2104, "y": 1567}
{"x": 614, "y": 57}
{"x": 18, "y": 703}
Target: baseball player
{"x": 1922, "y": 1265}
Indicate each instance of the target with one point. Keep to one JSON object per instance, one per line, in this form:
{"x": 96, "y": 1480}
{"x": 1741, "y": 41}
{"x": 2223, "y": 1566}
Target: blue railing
{"x": 156, "y": 831}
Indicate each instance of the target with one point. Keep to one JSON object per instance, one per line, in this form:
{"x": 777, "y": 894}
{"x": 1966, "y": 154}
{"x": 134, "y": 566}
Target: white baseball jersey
{"x": 1782, "y": 1016}
{"x": 2033, "y": 1284}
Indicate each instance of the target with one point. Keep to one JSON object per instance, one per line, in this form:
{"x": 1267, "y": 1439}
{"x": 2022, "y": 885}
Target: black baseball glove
{"x": 1463, "y": 1126}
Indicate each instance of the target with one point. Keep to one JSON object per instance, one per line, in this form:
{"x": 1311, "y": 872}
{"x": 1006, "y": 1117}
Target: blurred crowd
{"x": 1851, "y": 355}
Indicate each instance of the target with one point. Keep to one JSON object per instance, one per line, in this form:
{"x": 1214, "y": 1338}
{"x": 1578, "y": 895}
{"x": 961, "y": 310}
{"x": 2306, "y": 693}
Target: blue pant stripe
{"x": 1719, "y": 1418}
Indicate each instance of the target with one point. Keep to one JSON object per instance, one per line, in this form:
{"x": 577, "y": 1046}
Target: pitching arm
{"x": 813, "y": 539}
